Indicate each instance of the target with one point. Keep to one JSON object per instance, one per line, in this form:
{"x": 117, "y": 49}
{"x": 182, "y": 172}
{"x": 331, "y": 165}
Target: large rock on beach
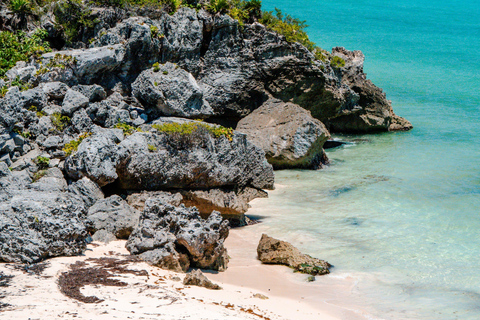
{"x": 273, "y": 251}
{"x": 40, "y": 220}
{"x": 177, "y": 238}
{"x": 289, "y": 135}
{"x": 160, "y": 160}
{"x": 111, "y": 218}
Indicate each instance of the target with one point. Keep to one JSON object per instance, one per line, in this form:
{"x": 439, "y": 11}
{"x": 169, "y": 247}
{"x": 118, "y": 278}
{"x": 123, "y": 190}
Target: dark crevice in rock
{"x": 207, "y": 38}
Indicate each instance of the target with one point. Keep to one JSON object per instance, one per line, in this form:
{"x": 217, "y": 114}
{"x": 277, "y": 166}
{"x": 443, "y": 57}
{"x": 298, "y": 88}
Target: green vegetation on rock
{"x": 42, "y": 162}
{"x": 194, "y": 128}
{"x": 18, "y": 46}
{"x": 59, "y": 121}
{"x": 72, "y": 146}
{"x": 337, "y": 62}
{"x": 127, "y": 129}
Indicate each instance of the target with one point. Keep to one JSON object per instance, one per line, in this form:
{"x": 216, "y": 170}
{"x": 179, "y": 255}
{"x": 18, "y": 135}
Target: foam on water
{"x": 402, "y": 208}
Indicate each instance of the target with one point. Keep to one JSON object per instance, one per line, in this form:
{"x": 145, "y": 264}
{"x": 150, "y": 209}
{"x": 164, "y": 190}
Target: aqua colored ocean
{"x": 402, "y": 208}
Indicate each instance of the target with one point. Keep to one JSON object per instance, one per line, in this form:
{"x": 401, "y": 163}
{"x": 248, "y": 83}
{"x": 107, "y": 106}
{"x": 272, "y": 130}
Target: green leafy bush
{"x": 75, "y": 19}
{"x": 42, "y": 162}
{"x": 127, "y": 129}
{"x": 18, "y": 46}
{"x": 292, "y": 28}
{"x": 59, "y": 122}
{"x": 337, "y": 62}
{"x": 191, "y": 128}
{"x": 156, "y": 67}
{"x": 20, "y": 6}
{"x": 72, "y": 146}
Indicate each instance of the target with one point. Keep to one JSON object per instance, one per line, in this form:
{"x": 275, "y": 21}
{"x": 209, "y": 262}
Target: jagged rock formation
{"x": 85, "y": 117}
{"x": 288, "y": 134}
{"x": 177, "y": 238}
{"x": 273, "y": 251}
{"x": 41, "y": 219}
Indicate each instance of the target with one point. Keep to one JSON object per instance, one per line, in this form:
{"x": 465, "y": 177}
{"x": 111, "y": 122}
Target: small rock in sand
{"x": 197, "y": 278}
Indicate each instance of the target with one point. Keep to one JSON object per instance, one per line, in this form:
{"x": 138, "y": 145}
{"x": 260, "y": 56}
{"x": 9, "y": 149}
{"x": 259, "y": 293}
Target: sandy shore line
{"x": 153, "y": 293}
{"x": 148, "y": 293}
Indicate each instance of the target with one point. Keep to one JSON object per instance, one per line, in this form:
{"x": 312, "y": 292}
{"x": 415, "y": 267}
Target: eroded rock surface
{"x": 289, "y": 135}
{"x": 177, "y": 238}
{"x": 273, "y": 251}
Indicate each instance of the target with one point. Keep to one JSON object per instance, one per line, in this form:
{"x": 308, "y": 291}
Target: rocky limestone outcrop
{"x": 177, "y": 238}
{"x": 111, "y": 218}
{"x": 40, "y": 220}
{"x": 236, "y": 68}
{"x": 289, "y": 135}
{"x": 160, "y": 160}
{"x": 373, "y": 112}
{"x": 273, "y": 251}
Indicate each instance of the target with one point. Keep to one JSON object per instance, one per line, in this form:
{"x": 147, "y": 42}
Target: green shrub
{"x": 191, "y": 128}
{"x": 42, "y": 162}
{"x": 337, "y": 62}
{"x": 18, "y": 46}
{"x": 26, "y": 134}
{"x": 165, "y": 72}
{"x": 20, "y": 6}
{"x": 74, "y": 18}
{"x": 72, "y": 146}
{"x": 3, "y": 91}
{"x": 156, "y": 67}
{"x": 293, "y": 29}
{"x": 59, "y": 122}
{"x": 216, "y": 6}
{"x": 127, "y": 129}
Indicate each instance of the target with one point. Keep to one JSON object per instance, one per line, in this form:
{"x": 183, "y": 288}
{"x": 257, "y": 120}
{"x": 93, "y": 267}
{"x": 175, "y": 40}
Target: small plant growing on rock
{"x": 337, "y": 62}
{"x": 59, "y": 122}
{"x": 127, "y": 129}
{"x": 165, "y": 72}
{"x": 72, "y": 146}
{"x": 152, "y": 148}
{"x": 155, "y": 33}
{"x": 39, "y": 174}
{"x": 156, "y": 67}
{"x": 42, "y": 162}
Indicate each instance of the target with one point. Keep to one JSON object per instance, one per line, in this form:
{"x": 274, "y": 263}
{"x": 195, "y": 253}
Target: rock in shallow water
{"x": 273, "y": 251}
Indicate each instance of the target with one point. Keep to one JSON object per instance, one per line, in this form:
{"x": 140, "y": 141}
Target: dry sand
{"x": 250, "y": 290}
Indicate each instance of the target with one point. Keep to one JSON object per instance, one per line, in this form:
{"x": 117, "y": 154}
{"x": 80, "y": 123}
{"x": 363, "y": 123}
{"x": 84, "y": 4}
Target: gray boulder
{"x": 55, "y": 90}
{"x": 114, "y": 217}
{"x": 73, "y": 101}
{"x": 177, "y": 238}
{"x": 39, "y": 221}
{"x": 289, "y": 135}
{"x": 96, "y": 158}
{"x": 87, "y": 190}
{"x": 93, "y": 92}
{"x": 172, "y": 90}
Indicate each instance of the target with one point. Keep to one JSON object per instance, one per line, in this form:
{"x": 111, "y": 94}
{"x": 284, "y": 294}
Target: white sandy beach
{"x": 161, "y": 294}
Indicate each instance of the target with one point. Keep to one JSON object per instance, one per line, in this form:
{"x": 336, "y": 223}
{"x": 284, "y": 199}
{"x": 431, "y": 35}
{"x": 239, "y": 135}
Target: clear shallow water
{"x": 403, "y": 207}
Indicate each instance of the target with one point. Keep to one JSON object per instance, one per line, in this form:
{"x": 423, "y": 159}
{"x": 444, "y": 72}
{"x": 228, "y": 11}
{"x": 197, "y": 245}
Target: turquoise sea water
{"x": 402, "y": 208}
